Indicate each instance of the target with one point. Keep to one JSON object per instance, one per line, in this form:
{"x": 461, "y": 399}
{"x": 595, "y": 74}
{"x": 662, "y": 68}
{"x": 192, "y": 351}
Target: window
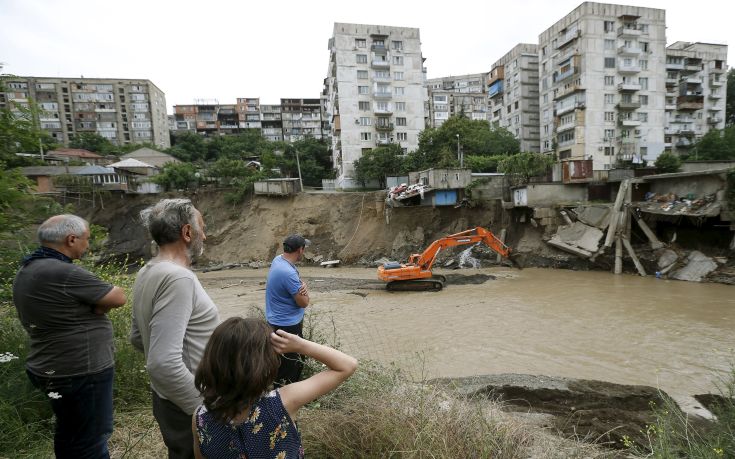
{"x": 643, "y": 63}
{"x": 543, "y": 51}
{"x": 644, "y": 151}
{"x": 361, "y": 58}
{"x": 400, "y": 121}
{"x": 546, "y": 98}
{"x": 360, "y": 42}
{"x": 397, "y": 44}
{"x": 609, "y": 62}
{"x": 609, "y": 44}
{"x": 643, "y": 117}
{"x": 364, "y": 105}
{"x": 397, "y": 60}
{"x": 509, "y": 108}
{"x": 402, "y": 136}
{"x": 399, "y": 90}
{"x": 609, "y": 26}
{"x": 365, "y": 121}
{"x": 643, "y": 28}
{"x": 609, "y": 151}
{"x": 643, "y": 100}
{"x": 609, "y": 133}
{"x": 400, "y": 106}
{"x": 610, "y": 80}
{"x": 362, "y": 74}
{"x": 609, "y": 99}
{"x": 381, "y": 74}
{"x": 644, "y": 83}
{"x": 644, "y": 46}
{"x": 366, "y": 136}
{"x": 363, "y": 89}
{"x": 546, "y": 128}
{"x": 397, "y": 75}
{"x": 382, "y": 106}
{"x": 379, "y": 43}
{"x": 609, "y": 116}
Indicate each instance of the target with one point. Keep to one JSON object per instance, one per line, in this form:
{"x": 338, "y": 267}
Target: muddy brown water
{"x": 626, "y": 329}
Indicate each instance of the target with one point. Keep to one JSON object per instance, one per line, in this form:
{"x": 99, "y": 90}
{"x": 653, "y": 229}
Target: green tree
{"x": 521, "y": 167}
{"x": 177, "y": 176}
{"x": 379, "y": 163}
{"x": 315, "y": 159}
{"x": 94, "y": 142}
{"x": 476, "y": 138}
{"x": 668, "y": 162}
{"x": 227, "y": 170}
{"x": 483, "y": 163}
{"x": 188, "y": 146}
{"x": 717, "y": 144}
{"x": 730, "y": 98}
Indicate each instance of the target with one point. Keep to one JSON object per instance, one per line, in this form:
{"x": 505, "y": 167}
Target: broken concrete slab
{"x": 667, "y": 257}
{"x": 556, "y": 242}
{"x": 597, "y": 216}
{"x": 580, "y": 235}
{"x": 698, "y": 266}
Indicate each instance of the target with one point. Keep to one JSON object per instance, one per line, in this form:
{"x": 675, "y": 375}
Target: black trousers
{"x": 291, "y": 363}
{"x": 175, "y": 428}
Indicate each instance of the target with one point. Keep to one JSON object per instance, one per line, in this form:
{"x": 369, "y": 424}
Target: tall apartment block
{"x": 301, "y": 118}
{"x": 272, "y": 124}
{"x": 248, "y": 113}
{"x": 456, "y": 95}
{"x": 513, "y": 95}
{"x": 696, "y": 85}
{"x": 602, "y": 92}
{"x": 121, "y": 110}
{"x": 375, "y": 92}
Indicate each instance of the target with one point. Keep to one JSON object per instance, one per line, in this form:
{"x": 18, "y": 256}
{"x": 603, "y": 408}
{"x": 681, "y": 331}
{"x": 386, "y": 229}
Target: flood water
{"x": 625, "y": 329}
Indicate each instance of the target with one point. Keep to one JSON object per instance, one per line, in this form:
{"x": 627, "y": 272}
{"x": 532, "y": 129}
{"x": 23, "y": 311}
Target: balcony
{"x": 568, "y": 108}
{"x": 629, "y": 87}
{"x": 713, "y": 68}
{"x": 382, "y": 111}
{"x": 671, "y": 81}
{"x": 714, "y": 96}
{"x": 495, "y": 88}
{"x": 382, "y": 94}
{"x": 383, "y": 142}
{"x": 629, "y": 50}
{"x": 692, "y": 80}
{"x": 715, "y": 83}
{"x": 568, "y": 38}
{"x": 687, "y": 129}
{"x": 379, "y": 64}
{"x": 384, "y": 127}
{"x": 692, "y": 68}
{"x": 671, "y": 130}
{"x": 674, "y": 66}
{"x": 689, "y": 105}
{"x": 682, "y": 119}
{"x": 669, "y": 107}
{"x": 622, "y": 68}
{"x": 569, "y": 89}
{"x": 630, "y": 31}
{"x": 566, "y": 74}
{"x": 683, "y": 143}
{"x": 714, "y": 108}
{"x": 378, "y": 48}
{"x": 714, "y": 120}
{"x": 629, "y": 105}
{"x": 629, "y": 122}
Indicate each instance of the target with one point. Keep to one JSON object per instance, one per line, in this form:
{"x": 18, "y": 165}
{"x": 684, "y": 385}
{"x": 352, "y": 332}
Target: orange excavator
{"x": 417, "y": 275}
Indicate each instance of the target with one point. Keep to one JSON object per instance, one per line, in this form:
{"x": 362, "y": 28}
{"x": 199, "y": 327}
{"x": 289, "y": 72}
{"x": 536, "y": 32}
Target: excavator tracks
{"x": 430, "y": 284}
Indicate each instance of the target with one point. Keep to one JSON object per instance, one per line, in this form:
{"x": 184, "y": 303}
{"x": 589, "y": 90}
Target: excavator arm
{"x": 426, "y": 259}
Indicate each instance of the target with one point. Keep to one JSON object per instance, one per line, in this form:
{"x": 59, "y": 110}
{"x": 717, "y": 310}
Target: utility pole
{"x": 459, "y": 155}
{"x": 298, "y": 167}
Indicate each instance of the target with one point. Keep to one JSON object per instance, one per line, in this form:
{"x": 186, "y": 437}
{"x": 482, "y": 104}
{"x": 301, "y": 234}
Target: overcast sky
{"x": 278, "y": 49}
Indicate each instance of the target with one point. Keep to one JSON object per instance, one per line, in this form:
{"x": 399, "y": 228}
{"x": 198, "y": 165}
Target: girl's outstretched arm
{"x": 339, "y": 367}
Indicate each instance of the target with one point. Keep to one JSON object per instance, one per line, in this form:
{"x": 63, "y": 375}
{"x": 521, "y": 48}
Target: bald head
{"x": 56, "y": 229}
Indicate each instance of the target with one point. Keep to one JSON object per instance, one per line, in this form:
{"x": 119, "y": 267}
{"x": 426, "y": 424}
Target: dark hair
{"x": 238, "y": 366}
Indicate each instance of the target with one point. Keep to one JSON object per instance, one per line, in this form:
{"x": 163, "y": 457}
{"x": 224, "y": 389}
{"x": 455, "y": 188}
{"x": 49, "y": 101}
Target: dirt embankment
{"x": 351, "y": 227}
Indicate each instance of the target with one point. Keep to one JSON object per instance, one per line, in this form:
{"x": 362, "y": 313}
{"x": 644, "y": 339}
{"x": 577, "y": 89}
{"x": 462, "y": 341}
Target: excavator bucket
{"x": 514, "y": 259}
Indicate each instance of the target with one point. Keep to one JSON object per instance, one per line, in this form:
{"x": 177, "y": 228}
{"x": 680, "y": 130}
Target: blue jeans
{"x": 83, "y": 413}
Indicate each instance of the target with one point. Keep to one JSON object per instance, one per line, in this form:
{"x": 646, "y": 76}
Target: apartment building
{"x": 696, "y": 85}
{"x": 301, "y": 118}
{"x": 456, "y": 95}
{"x": 375, "y": 92}
{"x": 513, "y": 95}
{"x": 248, "y": 113}
{"x": 123, "y": 111}
{"x": 271, "y": 122}
{"x": 602, "y": 92}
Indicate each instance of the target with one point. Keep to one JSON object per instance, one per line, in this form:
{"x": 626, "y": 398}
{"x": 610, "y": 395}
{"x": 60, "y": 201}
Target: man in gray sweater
{"x": 173, "y": 318}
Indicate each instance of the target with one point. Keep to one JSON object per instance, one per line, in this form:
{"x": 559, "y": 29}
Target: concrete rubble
{"x": 577, "y": 238}
{"x": 597, "y": 216}
{"x": 698, "y": 266}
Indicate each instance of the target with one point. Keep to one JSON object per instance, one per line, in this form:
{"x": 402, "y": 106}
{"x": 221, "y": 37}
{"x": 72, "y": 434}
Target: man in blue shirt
{"x": 286, "y": 297}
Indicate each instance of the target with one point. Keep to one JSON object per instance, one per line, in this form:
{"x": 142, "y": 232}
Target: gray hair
{"x": 57, "y": 228}
{"x": 165, "y": 219}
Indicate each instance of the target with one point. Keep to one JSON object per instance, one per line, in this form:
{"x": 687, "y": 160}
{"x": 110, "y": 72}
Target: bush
{"x": 668, "y": 162}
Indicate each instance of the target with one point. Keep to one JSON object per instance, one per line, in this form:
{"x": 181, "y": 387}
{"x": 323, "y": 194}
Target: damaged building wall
{"x": 549, "y": 194}
{"x": 698, "y": 186}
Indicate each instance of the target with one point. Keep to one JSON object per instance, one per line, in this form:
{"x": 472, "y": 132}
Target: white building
{"x": 696, "y": 85}
{"x": 602, "y": 88}
{"x": 513, "y": 95}
{"x": 456, "y": 95}
{"x": 375, "y": 92}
